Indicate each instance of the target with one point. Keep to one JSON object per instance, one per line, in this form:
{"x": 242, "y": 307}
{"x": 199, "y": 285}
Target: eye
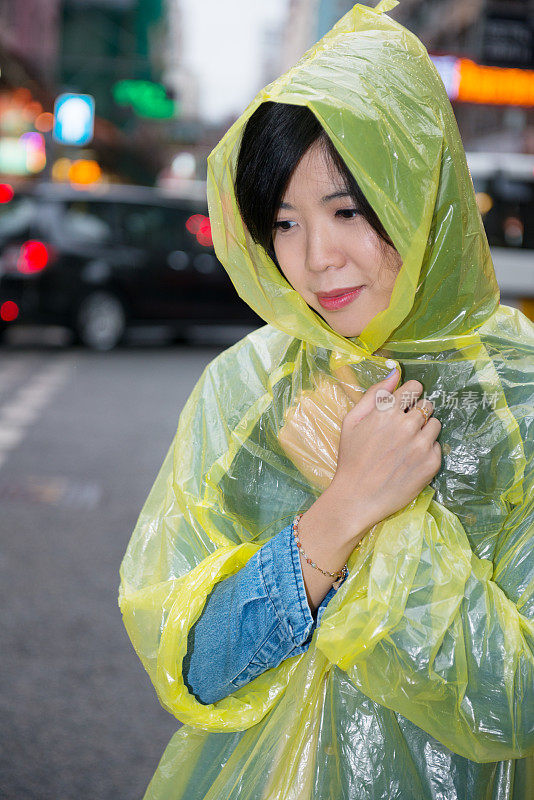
{"x": 347, "y": 211}
{"x": 278, "y": 225}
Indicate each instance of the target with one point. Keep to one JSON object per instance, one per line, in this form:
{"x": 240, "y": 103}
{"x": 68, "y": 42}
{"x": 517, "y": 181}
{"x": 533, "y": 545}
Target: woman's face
{"x": 326, "y": 249}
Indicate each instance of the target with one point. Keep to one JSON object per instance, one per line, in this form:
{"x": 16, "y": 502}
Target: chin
{"x": 347, "y": 329}
{"x": 350, "y": 333}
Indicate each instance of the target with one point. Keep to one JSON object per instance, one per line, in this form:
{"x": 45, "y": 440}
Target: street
{"x": 82, "y": 437}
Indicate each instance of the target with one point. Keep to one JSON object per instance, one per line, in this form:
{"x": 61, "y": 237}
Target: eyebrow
{"x": 324, "y": 199}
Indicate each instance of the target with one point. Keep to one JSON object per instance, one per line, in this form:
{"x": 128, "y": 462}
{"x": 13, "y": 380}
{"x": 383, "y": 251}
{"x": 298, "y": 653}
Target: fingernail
{"x": 390, "y": 373}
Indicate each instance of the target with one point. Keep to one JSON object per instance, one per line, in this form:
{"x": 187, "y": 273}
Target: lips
{"x": 338, "y": 298}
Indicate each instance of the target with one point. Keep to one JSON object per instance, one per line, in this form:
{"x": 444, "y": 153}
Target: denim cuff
{"x": 285, "y": 586}
{"x": 261, "y": 616}
{"x": 281, "y": 567}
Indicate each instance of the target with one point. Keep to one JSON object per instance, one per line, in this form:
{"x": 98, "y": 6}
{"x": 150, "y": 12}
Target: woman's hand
{"x": 371, "y": 459}
{"x": 387, "y": 455}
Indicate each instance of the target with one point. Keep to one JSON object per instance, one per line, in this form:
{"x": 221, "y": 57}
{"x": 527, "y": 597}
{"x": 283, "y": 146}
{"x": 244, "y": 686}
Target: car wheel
{"x": 101, "y": 321}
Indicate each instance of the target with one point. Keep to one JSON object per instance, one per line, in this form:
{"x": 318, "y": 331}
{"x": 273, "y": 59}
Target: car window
{"x": 153, "y": 226}
{"x": 16, "y": 216}
{"x": 88, "y": 222}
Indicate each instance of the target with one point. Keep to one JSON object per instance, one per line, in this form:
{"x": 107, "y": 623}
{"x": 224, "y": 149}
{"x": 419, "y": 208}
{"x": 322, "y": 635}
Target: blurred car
{"x": 504, "y": 186}
{"x": 98, "y": 262}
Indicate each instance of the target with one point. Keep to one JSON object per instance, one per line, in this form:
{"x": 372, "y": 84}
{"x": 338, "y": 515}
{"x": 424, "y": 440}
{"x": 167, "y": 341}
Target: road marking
{"x": 24, "y": 408}
{"x": 10, "y": 374}
{"x": 10, "y": 437}
{"x": 18, "y": 414}
{"x": 58, "y": 491}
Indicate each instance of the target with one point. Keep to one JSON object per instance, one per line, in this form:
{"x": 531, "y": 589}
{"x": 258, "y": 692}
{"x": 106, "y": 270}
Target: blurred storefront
{"x": 486, "y": 33}
{"x": 111, "y": 50}
{"x": 490, "y": 33}
{"x": 484, "y": 50}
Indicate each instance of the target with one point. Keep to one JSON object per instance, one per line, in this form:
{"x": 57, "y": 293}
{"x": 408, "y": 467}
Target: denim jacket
{"x": 251, "y": 621}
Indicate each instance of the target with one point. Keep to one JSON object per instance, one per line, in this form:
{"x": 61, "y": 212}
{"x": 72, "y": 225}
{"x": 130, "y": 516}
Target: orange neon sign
{"x": 494, "y": 85}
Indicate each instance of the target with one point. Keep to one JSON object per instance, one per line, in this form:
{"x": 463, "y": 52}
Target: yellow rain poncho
{"x": 419, "y": 681}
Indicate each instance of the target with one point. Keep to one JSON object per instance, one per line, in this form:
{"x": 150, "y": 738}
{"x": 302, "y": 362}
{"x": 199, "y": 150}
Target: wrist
{"x": 347, "y": 518}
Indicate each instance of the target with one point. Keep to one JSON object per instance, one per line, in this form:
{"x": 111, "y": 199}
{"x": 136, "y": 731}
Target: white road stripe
{"x": 23, "y": 409}
{"x": 10, "y": 437}
{"x": 10, "y": 374}
{"x": 18, "y": 414}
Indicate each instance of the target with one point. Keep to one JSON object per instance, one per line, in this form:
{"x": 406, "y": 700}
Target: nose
{"x": 322, "y": 251}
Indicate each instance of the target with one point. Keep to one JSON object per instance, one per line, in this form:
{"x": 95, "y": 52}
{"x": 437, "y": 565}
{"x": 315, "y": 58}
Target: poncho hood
{"x": 380, "y": 99}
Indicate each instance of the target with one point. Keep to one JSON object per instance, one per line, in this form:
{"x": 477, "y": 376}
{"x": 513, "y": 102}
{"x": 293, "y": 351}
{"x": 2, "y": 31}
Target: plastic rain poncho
{"x": 418, "y": 683}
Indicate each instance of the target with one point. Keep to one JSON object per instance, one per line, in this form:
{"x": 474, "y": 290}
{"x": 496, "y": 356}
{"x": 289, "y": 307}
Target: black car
{"x": 97, "y": 261}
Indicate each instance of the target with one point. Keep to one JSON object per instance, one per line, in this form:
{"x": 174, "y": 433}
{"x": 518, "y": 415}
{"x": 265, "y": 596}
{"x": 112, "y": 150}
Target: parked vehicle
{"x": 504, "y": 185}
{"x": 98, "y": 262}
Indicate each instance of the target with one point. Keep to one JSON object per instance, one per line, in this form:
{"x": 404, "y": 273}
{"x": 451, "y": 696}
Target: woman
{"x": 415, "y": 678}
{"x": 348, "y": 244}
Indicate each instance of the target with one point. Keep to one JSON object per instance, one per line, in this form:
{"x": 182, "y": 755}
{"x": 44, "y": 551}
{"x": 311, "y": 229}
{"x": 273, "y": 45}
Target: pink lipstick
{"x": 338, "y": 298}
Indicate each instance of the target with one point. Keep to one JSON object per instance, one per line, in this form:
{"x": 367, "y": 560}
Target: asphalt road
{"x": 82, "y": 437}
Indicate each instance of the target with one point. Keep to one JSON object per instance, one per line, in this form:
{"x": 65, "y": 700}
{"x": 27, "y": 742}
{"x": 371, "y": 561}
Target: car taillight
{"x": 28, "y": 258}
{"x": 9, "y": 311}
{"x": 200, "y": 226}
{"x": 6, "y": 193}
{"x": 34, "y": 256}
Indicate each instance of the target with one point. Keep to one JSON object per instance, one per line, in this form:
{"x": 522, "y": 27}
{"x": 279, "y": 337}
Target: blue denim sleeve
{"x": 251, "y": 621}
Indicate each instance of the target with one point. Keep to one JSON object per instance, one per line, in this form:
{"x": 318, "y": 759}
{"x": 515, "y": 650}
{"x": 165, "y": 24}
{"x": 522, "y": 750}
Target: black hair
{"x": 274, "y": 139}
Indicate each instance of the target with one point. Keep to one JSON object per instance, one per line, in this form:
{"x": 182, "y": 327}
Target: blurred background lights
{"x": 44, "y": 122}
{"x": 22, "y": 95}
{"x": 194, "y": 222}
{"x": 6, "y": 192}
{"x": 13, "y": 159}
{"x": 84, "y": 171}
{"x": 183, "y": 165}
{"x": 449, "y": 71}
{"x": 33, "y": 257}
{"x": 484, "y": 202}
{"x": 469, "y": 82}
{"x": 60, "y": 169}
{"x": 74, "y": 118}
{"x": 34, "y": 145}
{"x": 200, "y": 226}
{"x": 513, "y": 231}
{"x": 147, "y": 99}
{"x": 34, "y": 109}
{"x": 9, "y": 311}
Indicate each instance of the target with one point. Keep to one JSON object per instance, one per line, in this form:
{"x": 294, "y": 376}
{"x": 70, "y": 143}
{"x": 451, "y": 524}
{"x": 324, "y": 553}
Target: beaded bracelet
{"x": 342, "y": 573}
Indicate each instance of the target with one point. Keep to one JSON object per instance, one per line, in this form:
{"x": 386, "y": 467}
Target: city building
{"x": 181, "y": 81}
{"x": 112, "y": 50}
{"x": 29, "y": 39}
{"x": 300, "y": 32}
{"x": 104, "y": 42}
